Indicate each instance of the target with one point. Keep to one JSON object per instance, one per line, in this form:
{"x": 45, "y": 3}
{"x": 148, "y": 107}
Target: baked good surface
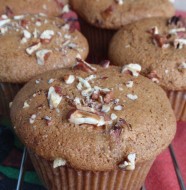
{"x": 158, "y": 45}
{"x": 33, "y": 44}
{"x": 93, "y": 117}
{"x": 113, "y": 14}
{"x": 12, "y": 7}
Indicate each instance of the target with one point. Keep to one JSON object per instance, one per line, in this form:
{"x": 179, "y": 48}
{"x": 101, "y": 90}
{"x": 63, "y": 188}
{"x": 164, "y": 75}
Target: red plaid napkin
{"x": 162, "y": 175}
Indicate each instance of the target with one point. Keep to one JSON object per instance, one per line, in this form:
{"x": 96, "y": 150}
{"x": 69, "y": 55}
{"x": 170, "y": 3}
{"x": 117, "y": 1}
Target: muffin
{"x": 33, "y": 44}
{"x": 158, "y": 45}
{"x": 101, "y": 19}
{"x": 93, "y": 127}
{"x": 12, "y": 7}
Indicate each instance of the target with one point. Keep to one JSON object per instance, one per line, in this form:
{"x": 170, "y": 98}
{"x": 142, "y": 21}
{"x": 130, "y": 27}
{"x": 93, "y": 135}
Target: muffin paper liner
{"x": 66, "y": 178}
{"x": 178, "y": 102}
{"x": 7, "y": 94}
{"x": 98, "y": 40}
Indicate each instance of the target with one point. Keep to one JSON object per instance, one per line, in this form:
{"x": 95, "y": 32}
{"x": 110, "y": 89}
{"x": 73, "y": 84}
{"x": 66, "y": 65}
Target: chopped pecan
{"x": 79, "y": 117}
{"x": 69, "y": 79}
{"x": 160, "y": 40}
{"x": 84, "y": 66}
{"x": 58, "y": 90}
{"x": 105, "y": 63}
{"x": 132, "y": 68}
{"x": 129, "y": 162}
{"x": 54, "y": 97}
{"x": 46, "y": 36}
{"x": 33, "y": 48}
{"x": 95, "y": 95}
{"x": 153, "y": 30}
{"x": 153, "y": 76}
{"x": 176, "y": 20}
{"x": 24, "y": 23}
{"x": 42, "y": 56}
{"x": 9, "y": 12}
{"x": 108, "y": 97}
{"x": 59, "y": 162}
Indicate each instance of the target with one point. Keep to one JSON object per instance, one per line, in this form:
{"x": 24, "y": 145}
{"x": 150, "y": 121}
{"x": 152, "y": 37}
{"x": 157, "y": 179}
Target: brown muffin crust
{"x": 113, "y": 14}
{"x": 12, "y": 7}
{"x": 33, "y": 44}
{"x": 153, "y": 43}
{"x": 140, "y": 120}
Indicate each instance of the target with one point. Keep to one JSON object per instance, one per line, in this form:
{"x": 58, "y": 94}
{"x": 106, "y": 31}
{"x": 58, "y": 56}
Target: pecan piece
{"x": 108, "y": 97}
{"x": 79, "y": 117}
{"x": 160, "y": 40}
{"x": 176, "y": 20}
{"x": 105, "y": 64}
{"x": 129, "y": 163}
{"x": 153, "y": 76}
{"x": 84, "y": 66}
{"x": 9, "y": 12}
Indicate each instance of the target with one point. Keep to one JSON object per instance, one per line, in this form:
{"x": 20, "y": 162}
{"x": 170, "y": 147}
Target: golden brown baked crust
{"x": 144, "y": 126}
{"x": 49, "y": 7}
{"x": 161, "y": 56}
{"x": 33, "y": 44}
{"x": 113, "y": 14}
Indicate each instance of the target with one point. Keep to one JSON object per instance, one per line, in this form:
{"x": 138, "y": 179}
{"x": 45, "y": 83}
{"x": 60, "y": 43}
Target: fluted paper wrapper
{"x": 7, "y": 94}
{"x": 98, "y": 40}
{"x": 178, "y": 102}
{"x": 66, "y": 178}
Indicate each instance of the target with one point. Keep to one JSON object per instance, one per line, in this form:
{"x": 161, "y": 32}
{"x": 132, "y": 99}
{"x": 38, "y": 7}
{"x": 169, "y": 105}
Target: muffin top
{"x": 158, "y": 45}
{"x": 12, "y": 7}
{"x": 113, "y": 14}
{"x": 33, "y": 44}
{"x": 94, "y": 118}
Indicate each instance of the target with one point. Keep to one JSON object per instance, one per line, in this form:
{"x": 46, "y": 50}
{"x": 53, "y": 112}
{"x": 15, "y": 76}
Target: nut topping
{"x": 129, "y": 84}
{"x": 50, "y": 81}
{"x": 160, "y": 41}
{"x": 27, "y": 34}
{"x": 105, "y": 108}
{"x": 129, "y": 164}
{"x": 117, "y": 127}
{"x": 3, "y": 22}
{"x": 65, "y": 9}
{"x": 26, "y": 105}
{"x": 113, "y": 116}
{"x": 105, "y": 64}
{"x": 59, "y": 162}
{"x": 42, "y": 56}
{"x": 79, "y": 117}
{"x": 182, "y": 66}
{"x": 132, "y": 96}
{"x": 133, "y": 68}
{"x": 18, "y": 17}
{"x": 119, "y": 2}
{"x": 8, "y": 11}
{"x": 33, "y": 48}
{"x": 84, "y": 66}
{"x": 179, "y": 43}
{"x": 54, "y": 98}
{"x": 175, "y": 20}
{"x": 46, "y": 36}
{"x": 108, "y": 97}
{"x": 118, "y": 108}
{"x": 69, "y": 79}
{"x": 32, "y": 118}
{"x": 153, "y": 76}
